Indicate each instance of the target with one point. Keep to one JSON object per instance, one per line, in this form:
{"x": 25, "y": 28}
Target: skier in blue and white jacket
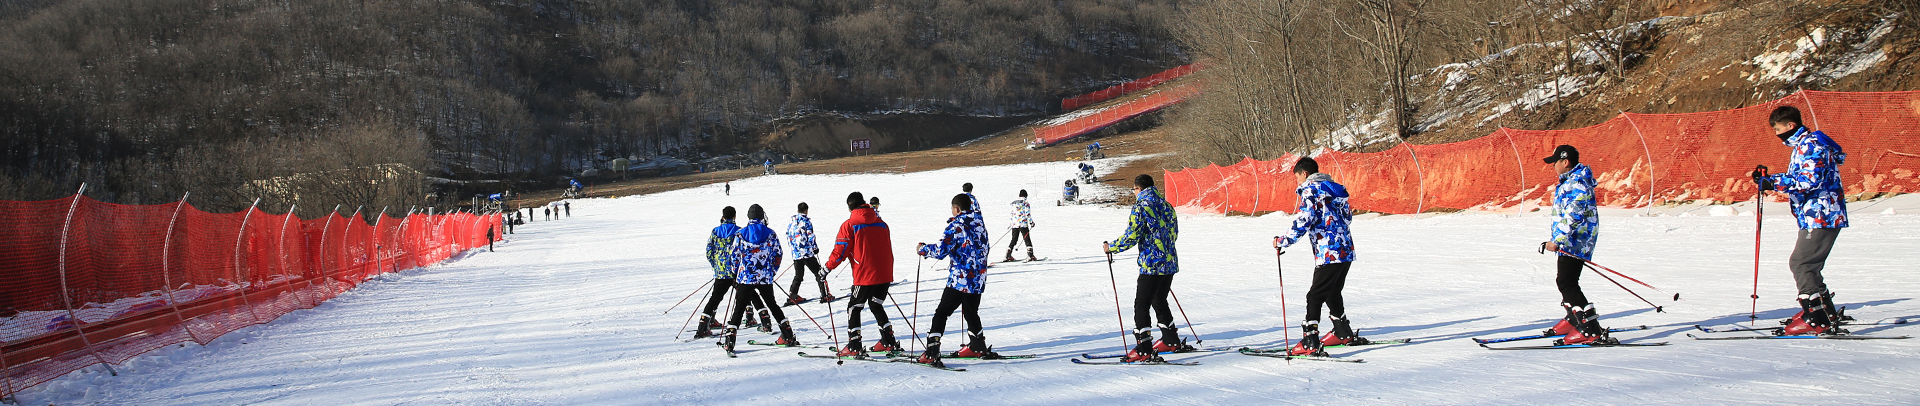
{"x": 1575, "y": 230}
{"x": 1022, "y": 228}
{"x": 806, "y": 253}
{"x": 1818, "y": 198}
{"x": 1323, "y": 215}
{"x": 756, "y": 256}
{"x": 719, "y": 242}
{"x": 964, "y": 246}
{"x": 1153, "y": 226}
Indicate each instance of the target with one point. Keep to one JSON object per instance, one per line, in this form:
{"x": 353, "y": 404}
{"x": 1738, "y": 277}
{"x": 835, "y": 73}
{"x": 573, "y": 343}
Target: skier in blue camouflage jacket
{"x": 1818, "y": 197}
{"x": 1153, "y": 227}
{"x": 718, "y": 256}
{"x": 964, "y": 246}
{"x": 806, "y": 253}
{"x": 1323, "y": 216}
{"x": 1575, "y": 230}
{"x": 756, "y": 256}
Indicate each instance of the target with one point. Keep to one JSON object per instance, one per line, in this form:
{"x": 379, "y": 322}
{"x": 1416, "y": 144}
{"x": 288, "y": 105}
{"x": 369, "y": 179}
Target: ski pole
{"x": 1656, "y": 308}
{"x": 1759, "y": 200}
{"x": 803, "y": 312}
{"x": 689, "y": 296}
{"x": 683, "y": 326}
{"x": 1592, "y": 265}
{"x": 913, "y": 331}
{"x": 1183, "y": 315}
{"x": 1279, "y": 268}
{"x": 917, "y": 262}
{"x": 1116, "y": 295}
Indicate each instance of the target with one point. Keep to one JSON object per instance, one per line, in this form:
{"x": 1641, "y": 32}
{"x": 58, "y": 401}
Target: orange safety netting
{"x": 1640, "y": 160}
{"x": 1077, "y": 124}
{"x": 1129, "y": 87}
{"x": 84, "y": 282}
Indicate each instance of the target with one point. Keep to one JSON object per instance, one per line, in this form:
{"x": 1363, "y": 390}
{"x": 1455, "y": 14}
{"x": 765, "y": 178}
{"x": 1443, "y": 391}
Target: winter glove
{"x": 1760, "y": 178}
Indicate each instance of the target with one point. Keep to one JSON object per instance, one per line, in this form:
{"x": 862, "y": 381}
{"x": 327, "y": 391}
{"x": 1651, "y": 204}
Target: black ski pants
{"x": 745, "y": 295}
{"x": 1328, "y": 281}
{"x": 1569, "y": 281}
{"x": 1020, "y": 234}
{"x": 801, "y": 268}
{"x": 868, "y": 297}
{"x": 720, "y": 289}
{"x": 1150, "y": 291}
{"x": 969, "y": 305}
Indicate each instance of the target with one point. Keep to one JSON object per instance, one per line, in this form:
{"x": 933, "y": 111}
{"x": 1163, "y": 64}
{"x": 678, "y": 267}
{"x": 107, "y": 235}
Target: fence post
{"x": 343, "y": 237}
{"x": 65, "y": 295}
{"x": 1814, "y": 118}
{"x": 166, "y": 258}
{"x": 321, "y": 255}
{"x": 1649, "y": 152}
{"x": 241, "y": 280}
{"x": 1420, "y": 174}
{"x": 1518, "y": 162}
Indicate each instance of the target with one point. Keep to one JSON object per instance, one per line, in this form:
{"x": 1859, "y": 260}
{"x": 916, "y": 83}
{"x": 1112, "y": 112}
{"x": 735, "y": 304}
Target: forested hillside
{"x": 147, "y": 99}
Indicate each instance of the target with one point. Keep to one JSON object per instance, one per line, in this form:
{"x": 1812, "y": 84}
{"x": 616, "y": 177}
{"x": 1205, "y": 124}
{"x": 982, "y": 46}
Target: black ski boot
{"x": 1812, "y": 320}
{"x": 786, "y": 336}
{"x": 1342, "y": 334}
{"x": 887, "y": 345}
{"x": 932, "y": 355}
{"x": 1030, "y": 256}
{"x": 1587, "y": 329}
{"x": 727, "y": 342}
{"x": 1170, "y": 340}
{"x": 1143, "y": 348}
{"x": 706, "y": 327}
{"x": 1309, "y": 344}
{"x": 977, "y": 348}
{"x": 766, "y": 322}
{"x": 853, "y": 346}
{"x": 1009, "y": 255}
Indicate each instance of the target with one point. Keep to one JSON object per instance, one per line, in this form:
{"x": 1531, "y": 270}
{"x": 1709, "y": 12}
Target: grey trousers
{"x": 1810, "y": 257}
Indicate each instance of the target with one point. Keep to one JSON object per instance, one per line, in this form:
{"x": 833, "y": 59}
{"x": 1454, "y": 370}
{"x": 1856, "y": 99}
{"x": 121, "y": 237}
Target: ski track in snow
{"x": 569, "y": 312}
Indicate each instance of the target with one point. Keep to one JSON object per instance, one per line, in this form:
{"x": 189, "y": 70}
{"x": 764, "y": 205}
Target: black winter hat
{"x": 1564, "y": 152}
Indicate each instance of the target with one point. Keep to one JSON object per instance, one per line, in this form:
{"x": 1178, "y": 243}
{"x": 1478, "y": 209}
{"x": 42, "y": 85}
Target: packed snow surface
{"x": 570, "y": 312}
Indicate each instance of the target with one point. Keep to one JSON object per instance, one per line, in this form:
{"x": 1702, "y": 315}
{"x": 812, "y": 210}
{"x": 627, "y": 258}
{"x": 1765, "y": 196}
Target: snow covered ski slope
{"x": 569, "y": 312}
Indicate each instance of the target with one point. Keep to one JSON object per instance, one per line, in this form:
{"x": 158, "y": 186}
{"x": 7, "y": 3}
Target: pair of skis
{"x": 1283, "y": 352}
{"x": 1484, "y": 341}
{"x": 1102, "y": 359}
{"x": 1773, "y": 333}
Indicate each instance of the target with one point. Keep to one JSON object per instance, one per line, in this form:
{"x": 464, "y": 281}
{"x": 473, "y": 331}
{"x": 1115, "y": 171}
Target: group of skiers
{"x": 745, "y": 258}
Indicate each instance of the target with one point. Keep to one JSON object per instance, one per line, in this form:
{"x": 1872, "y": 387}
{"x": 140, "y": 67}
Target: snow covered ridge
{"x": 575, "y": 312}
{"x": 1640, "y": 160}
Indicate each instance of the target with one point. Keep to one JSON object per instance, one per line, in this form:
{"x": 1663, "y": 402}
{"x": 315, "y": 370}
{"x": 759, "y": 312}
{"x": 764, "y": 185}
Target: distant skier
{"x": 1323, "y": 215}
{"x": 756, "y": 254}
{"x": 1153, "y": 227}
{"x": 489, "y": 238}
{"x": 967, "y": 188}
{"x": 805, "y": 256}
{"x": 1022, "y": 227}
{"x": 547, "y": 212}
{"x": 568, "y": 206}
{"x": 1576, "y": 227}
{"x": 718, "y": 242}
{"x": 729, "y": 188}
{"x": 865, "y": 241}
{"x": 1818, "y": 198}
{"x": 964, "y": 245}
{"x": 874, "y": 204}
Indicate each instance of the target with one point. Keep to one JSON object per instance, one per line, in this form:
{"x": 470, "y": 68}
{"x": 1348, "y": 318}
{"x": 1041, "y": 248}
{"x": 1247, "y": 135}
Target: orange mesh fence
{"x": 1129, "y": 87}
{"x": 86, "y": 282}
{"x": 1080, "y": 123}
{"x": 1639, "y": 160}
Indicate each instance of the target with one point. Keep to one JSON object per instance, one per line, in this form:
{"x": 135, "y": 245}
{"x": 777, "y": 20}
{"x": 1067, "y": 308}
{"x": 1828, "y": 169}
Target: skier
{"x": 1022, "y": 227}
{"x": 967, "y": 189}
{"x": 874, "y": 204}
{"x": 805, "y": 253}
{"x": 1576, "y": 226}
{"x": 569, "y": 208}
{"x": 1153, "y": 227}
{"x": 964, "y": 246}
{"x": 865, "y": 241}
{"x": 756, "y": 255}
{"x": 723, "y": 270}
{"x": 1323, "y": 215}
{"x": 1818, "y": 198}
{"x": 729, "y": 188}
{"x": 489, "y": 238}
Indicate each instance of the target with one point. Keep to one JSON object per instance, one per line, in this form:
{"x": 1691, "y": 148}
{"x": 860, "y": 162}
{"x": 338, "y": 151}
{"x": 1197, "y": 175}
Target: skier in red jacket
{"x": 865, "y": 241}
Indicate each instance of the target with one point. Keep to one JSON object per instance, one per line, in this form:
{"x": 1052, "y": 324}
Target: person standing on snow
{"x": 1576, "y": 227}
{"x": 1153, "y": 227}
{"x": 805, "y": 256}
{"x": 718, "y": 242}
{"x": 1814, "y": 190}
{"x": 1323, "y": 216}
{"x": 964, "y": 245}
{"x": 874, "y": 204}
{"x": 756, "y": 254}
{"x": 865, "y": 241}
{"x": 1022, "y": 227}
